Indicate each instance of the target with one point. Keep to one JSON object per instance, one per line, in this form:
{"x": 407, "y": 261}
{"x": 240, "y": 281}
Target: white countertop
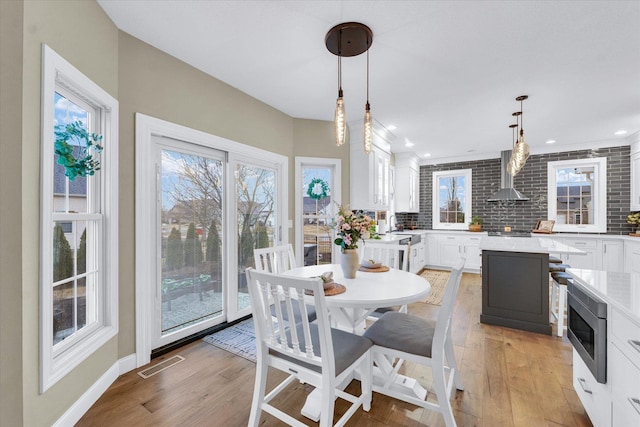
{"x": 543, "y": 245}
{"x": 388, "y": 238}
{"x": 621, "y": 290}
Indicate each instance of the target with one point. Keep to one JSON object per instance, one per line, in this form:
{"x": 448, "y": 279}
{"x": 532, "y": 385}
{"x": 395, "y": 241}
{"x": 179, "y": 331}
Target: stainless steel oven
{"x": 587, "y": 330}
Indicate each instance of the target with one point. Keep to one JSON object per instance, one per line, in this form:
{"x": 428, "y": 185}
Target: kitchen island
{"x": 515, "y": 281}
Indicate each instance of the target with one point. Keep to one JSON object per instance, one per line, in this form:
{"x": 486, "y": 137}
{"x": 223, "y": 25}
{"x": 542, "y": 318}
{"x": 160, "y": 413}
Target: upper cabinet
{"x": 370, "y": 173}
{"x": 635, "y": 176}
{"x": 407, "y": 188}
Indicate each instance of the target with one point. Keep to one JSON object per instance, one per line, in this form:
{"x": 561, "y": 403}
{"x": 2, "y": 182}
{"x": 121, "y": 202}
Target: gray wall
{"x": 531, "y": 181}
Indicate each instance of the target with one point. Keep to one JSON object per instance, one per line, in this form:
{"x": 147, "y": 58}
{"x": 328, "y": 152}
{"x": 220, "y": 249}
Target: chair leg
{"x": 440, "y": 386}
{"x": 451, "y": 360}
{"x": 366, "y": 378}
{"x": 552, "y": 311}
{"x": 258, "y": 392}
{"x": 328, "y": 404}
{"x": 562, "y": 302}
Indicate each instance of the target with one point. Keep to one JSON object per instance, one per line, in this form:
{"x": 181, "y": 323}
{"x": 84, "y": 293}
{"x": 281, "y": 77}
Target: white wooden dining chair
{"x": 278, "y": 259}
{"x": 399, "y": 336}
{"x": 392, "y": 255}
{"x": 312, "y": 353}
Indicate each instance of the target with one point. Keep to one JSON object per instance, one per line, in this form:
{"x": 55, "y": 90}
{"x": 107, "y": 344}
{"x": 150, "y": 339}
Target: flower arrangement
{"x": 351, "y": 227}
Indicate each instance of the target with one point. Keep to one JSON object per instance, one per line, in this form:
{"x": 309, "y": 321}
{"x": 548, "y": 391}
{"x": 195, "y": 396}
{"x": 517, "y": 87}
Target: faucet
{"x": 391, "y": 225}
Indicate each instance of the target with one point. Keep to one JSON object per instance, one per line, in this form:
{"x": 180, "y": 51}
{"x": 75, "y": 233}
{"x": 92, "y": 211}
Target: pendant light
{"x": 367, "y": 139}
{"x": 522, "y": 148}
{"x": 345, "y": 40}
{"x": 340, "y": 120}
{"x": 511, "y": 168}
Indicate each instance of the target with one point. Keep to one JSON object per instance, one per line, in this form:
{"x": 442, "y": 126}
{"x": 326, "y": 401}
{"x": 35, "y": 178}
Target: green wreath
{"x": 76, "y": 157}
{"x": 318, "y": 189}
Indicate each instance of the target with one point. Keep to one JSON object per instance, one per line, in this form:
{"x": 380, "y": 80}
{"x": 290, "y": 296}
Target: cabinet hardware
{"x": 635, "y": 402}
{"x": 635, "y": 344}
{"x": 583, "y": 384}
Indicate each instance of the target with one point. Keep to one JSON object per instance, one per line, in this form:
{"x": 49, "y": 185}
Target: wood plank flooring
{"x": 511, "y": 378}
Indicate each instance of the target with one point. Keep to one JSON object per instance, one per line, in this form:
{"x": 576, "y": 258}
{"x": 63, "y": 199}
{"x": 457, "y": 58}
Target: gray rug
{"x": 239, "y": 339}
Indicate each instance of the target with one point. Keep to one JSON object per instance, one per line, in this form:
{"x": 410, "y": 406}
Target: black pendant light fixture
{"x": 346, "y": 40}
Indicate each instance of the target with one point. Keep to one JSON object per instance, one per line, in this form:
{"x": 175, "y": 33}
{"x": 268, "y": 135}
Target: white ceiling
{"x": 446, "y": 73}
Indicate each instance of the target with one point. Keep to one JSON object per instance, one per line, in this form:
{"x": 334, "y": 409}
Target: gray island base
{"x": 515, "y": 290}
{"x": 515, "y": 281}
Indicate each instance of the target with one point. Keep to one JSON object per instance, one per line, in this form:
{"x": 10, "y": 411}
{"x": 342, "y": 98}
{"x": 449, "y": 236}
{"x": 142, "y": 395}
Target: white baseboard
{"x": 93, "y": 393}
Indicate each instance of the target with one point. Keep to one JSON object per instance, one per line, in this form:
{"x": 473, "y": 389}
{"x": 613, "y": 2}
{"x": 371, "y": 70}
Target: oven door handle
{"x": 635, "y": 344}
{"x": 583, "y": 384}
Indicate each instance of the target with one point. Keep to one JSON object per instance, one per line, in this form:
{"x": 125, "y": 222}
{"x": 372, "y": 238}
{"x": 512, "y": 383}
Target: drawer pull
{"x": 635, "y": 344}
{"x": 635, "y": 402}
{"x": 583, "y": 384}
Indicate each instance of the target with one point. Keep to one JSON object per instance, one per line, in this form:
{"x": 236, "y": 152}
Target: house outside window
{"x": 577, "y": 194}
{"x": 78, "y": 248}
{"x": 451, "y": 199}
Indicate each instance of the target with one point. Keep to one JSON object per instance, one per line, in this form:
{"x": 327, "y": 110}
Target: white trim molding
{"x": 435, "y": 220}
{"x": 58, "y": 73}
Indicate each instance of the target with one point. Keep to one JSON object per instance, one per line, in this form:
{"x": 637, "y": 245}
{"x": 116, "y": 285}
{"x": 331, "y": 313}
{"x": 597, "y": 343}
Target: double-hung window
{"x": 452, "y": 199}
{"x": 78, "y": 268}
{"x": 577, "y": 194}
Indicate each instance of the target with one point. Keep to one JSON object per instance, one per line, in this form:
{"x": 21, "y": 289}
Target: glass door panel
{"x": 317, "y": 213}
{"x": 190, "y": 241}
{"x": 256, "y": 212}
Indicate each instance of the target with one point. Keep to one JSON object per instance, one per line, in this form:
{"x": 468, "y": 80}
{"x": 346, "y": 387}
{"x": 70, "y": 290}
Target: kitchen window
{"x": 577, "y": 194}
{"x": 79, "y": 225}
{"x": 451, "y": 199}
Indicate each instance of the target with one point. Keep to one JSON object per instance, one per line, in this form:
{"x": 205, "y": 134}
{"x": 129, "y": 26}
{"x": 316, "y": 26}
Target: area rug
{"x": 239, "y": 339}
{"x": 438, "y": 280}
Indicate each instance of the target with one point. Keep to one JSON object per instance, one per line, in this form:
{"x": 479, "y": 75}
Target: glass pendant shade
{"x": 340, "y": 121}
{"x": 368, "y": 130}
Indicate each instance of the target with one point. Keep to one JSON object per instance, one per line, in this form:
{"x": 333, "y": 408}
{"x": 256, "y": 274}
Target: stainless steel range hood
{"x": 506, "y": 192}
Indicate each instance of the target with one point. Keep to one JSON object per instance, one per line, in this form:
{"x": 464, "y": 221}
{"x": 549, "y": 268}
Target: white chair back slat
{"x": 388, "y": 254}
{"x": 445, "y": 314}
{"x": 276, "y": 259}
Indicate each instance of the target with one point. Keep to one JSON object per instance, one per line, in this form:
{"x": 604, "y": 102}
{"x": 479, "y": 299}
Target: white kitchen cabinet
{"x": 407, "y": 183}
{"x": 450, "y": 250}
{"x": 632, "y": 255}
{"x": 369, "y": 173}
{"x": 612, "y": 255}
{"x": 587, "y": 260}
{"x": 595, "y": 397}
{"x": 472, "y": 252}
{"x": 415, "y": 262}
{"x": 624, "y": 369}
{"x": 635, "y": 176}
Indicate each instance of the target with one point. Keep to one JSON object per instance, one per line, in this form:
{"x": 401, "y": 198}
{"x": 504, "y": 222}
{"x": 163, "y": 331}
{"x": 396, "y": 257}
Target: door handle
{"x": 635, "y": 344}
{"x": 583, "y": 384}
{"x": 635, "y": 402}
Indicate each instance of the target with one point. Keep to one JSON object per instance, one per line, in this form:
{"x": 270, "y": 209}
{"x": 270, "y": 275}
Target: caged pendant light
{"x": 367, "y": 139}
{"x": 345, "y": 40}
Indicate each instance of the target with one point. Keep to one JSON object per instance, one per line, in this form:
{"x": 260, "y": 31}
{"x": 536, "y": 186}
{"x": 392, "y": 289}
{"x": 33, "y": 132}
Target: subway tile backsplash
{"x": 531, "y": 181}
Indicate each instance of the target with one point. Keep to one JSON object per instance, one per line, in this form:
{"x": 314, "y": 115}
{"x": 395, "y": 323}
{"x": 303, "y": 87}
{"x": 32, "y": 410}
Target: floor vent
{"x": 152, "y": 370}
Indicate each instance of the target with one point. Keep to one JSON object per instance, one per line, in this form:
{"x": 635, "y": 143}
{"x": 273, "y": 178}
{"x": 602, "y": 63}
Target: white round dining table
{"x": 367, "y": 292}
{"x": 350, "y": 309}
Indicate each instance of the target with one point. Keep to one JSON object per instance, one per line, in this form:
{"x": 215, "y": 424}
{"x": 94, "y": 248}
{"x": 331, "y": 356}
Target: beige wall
{"x": 10, "y": 212}
{"x": 315, "y": 138}
{"x": 145, "y": 80}
{"x": 82, "y": 33}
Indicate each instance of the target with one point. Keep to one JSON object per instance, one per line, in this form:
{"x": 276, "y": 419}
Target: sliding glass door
{"x": 191, "y": 213}
{"x": 255, "y": 208}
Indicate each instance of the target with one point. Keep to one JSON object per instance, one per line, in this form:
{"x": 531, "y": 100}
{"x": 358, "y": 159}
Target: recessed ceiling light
{"x": 426, "y": 155}
{"x": 391, "y": 127}
{"x": 551, "y": 141}
{"x": 471, "y": 151}
{"x": 620, "y": 132}
{"x": 408, "y": 143}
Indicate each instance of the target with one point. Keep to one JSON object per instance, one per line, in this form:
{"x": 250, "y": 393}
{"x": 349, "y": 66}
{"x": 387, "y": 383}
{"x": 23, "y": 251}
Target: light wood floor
{"x": 511, "y": 378}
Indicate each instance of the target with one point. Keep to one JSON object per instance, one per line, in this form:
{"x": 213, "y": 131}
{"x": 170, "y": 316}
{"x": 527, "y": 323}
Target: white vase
{"x": 350, "y": 262}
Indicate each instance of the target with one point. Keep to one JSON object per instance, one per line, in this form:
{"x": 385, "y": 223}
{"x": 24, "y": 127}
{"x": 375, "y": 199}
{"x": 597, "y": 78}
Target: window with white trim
{"x": 577, "y": 194}
{"x": 79, "y": 266}
{"x": 451, "y": 199}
